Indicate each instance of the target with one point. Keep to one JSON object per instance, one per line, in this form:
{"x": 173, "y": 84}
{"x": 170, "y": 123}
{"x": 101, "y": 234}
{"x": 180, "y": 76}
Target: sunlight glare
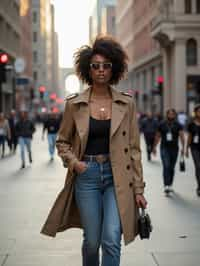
{"x": 72, "y": 84}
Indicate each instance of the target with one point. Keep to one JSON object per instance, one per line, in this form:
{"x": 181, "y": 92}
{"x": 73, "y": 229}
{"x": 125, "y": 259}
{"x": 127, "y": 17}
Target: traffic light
{"x": 42, "y": 90}
{"x": 3, "y": 62}
{"x": 41, "y": 95}
{"x": 160, "y": 84}
{"x": 160, "y": 87}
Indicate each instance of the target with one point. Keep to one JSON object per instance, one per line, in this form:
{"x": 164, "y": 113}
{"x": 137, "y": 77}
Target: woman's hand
{"x": 80, "y": 167}
{"x": 140, "y": 201}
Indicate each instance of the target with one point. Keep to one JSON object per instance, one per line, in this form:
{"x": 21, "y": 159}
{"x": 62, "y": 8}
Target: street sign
{"x": 19, "y": 65}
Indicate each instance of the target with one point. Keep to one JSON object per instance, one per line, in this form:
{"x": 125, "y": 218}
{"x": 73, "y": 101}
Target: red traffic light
{"x": 42, "y": 89}
{"x": 53, "y": 96}
{"x": 59, "y": 100}
{"x": 3, "y": 58}
{"x": 160, "y": 79}
{"x": 55, "y": 110}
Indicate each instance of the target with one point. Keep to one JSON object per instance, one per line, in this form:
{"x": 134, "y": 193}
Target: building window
{"x": 35, "y": 75}
{"x": 198, "y": 6}
{"x": 35, "y": 56}
{"x": 188, "y": 6}
{"x": 191, "y": 52}
{"x": 34, "y": 16}
{"x": 34, "y": 36}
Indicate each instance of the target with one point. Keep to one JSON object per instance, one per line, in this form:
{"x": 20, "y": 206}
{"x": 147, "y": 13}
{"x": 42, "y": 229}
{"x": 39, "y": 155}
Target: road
{"x": 27, "y": 195}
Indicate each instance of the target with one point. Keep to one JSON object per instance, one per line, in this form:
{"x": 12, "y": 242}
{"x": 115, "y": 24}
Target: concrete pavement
{"x": 27, "y": 195}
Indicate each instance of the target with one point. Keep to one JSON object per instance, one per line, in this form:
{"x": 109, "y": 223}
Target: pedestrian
{"x": 24, "y": 130}
{"x": 99, "y": 142}
{"x": 12, "y": 143}
{"x": 51, "y": 125}
{"x": 169, "y": 131}
{"x": 4, "y": 133}
{"x": 149, "y": 127}
{"x": 193, "y": 142}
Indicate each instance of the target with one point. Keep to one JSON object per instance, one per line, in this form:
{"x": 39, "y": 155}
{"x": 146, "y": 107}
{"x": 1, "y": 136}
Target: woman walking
{"x": 4, "y": 132}
{"x": 99, "y": 143}
{"x": 193, "y": 142}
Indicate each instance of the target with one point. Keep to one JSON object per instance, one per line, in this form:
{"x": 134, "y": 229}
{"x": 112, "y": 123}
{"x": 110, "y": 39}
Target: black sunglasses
{"x": 104, "y": 65}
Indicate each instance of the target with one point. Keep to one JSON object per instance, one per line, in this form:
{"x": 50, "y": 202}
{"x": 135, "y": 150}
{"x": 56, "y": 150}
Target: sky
{"x": 71, "y": 24}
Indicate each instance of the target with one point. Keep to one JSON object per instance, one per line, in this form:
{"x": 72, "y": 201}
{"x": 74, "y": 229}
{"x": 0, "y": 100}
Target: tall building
{"x": 49, "y": 34}
{"x": 55, "y": 61}
{"x": 24, "y": 85}
{"x": 9, "y": 44}
{"x": 108, "y": 25}
{"x": 45, "y": 49}
{"x": 26, "y": 36}
{"x": 39, "y": 44}
{"x": 163, "y": 44}
{"x": 102, "y": 19}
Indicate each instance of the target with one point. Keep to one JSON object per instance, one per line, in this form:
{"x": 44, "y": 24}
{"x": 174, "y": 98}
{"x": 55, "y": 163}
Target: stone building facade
{"x": 9, "y": 44}
{"x": 161, "y": 38}
{"x": 24, "y": 81}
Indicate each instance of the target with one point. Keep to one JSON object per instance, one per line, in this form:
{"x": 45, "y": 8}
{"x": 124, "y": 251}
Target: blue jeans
{"x": 96, "y": 201}
{"x": 52, "y": 143}
{"x": 169, "y": 158}
{"x": 22, "y": 143}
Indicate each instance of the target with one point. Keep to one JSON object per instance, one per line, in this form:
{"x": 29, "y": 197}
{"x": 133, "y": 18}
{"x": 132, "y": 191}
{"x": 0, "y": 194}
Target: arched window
{"x": 191, "y": 52}
{"x": 188, "y": 6}
{"x": 198, "y": 6}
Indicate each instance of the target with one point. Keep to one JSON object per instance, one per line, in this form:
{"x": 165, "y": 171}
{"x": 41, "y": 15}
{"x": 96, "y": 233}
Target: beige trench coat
{"x": 125, "y": 157}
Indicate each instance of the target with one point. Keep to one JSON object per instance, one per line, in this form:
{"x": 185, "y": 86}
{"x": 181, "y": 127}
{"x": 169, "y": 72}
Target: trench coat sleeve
{"x": 136, "y": 152}
{"x": 65, "y": 137}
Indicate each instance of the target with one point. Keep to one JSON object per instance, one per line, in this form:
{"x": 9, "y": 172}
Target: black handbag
{"x": 182, "y": 164}
{"x": 144, "y": 224}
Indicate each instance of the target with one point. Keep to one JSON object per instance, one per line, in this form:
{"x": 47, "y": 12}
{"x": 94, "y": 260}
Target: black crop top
{"x": 99, "y": 136}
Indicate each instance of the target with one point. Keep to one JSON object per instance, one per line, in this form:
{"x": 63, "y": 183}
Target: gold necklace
{"x": 100, "y": 107}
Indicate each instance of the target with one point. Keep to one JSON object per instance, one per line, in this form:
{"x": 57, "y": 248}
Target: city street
{"x": 27, "y": 195}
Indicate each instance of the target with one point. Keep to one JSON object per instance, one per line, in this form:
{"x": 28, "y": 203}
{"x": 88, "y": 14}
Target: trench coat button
{"x": 130, "y": 184}
{"x": 124, "y": 133}
{"x": 126, "y": 150}
{"x": 128, "y": 167}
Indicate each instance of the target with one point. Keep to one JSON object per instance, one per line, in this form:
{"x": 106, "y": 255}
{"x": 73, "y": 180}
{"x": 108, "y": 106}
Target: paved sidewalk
{"x": 27, "y": 195}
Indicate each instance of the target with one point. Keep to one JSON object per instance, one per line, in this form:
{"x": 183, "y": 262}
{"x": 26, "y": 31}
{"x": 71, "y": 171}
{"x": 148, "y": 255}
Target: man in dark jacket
{"x": 24, "y": 130}
{"x": 51, "y": 125}
{"x": 169, "y": 133}
{"x": 149, "y": 126}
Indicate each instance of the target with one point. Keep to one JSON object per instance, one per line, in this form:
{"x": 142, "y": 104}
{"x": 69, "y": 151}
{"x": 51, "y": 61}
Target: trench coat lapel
{"x": 118, "y": 112}
{"x": 81, "y": 116}
{"x": 119, "y": 109}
